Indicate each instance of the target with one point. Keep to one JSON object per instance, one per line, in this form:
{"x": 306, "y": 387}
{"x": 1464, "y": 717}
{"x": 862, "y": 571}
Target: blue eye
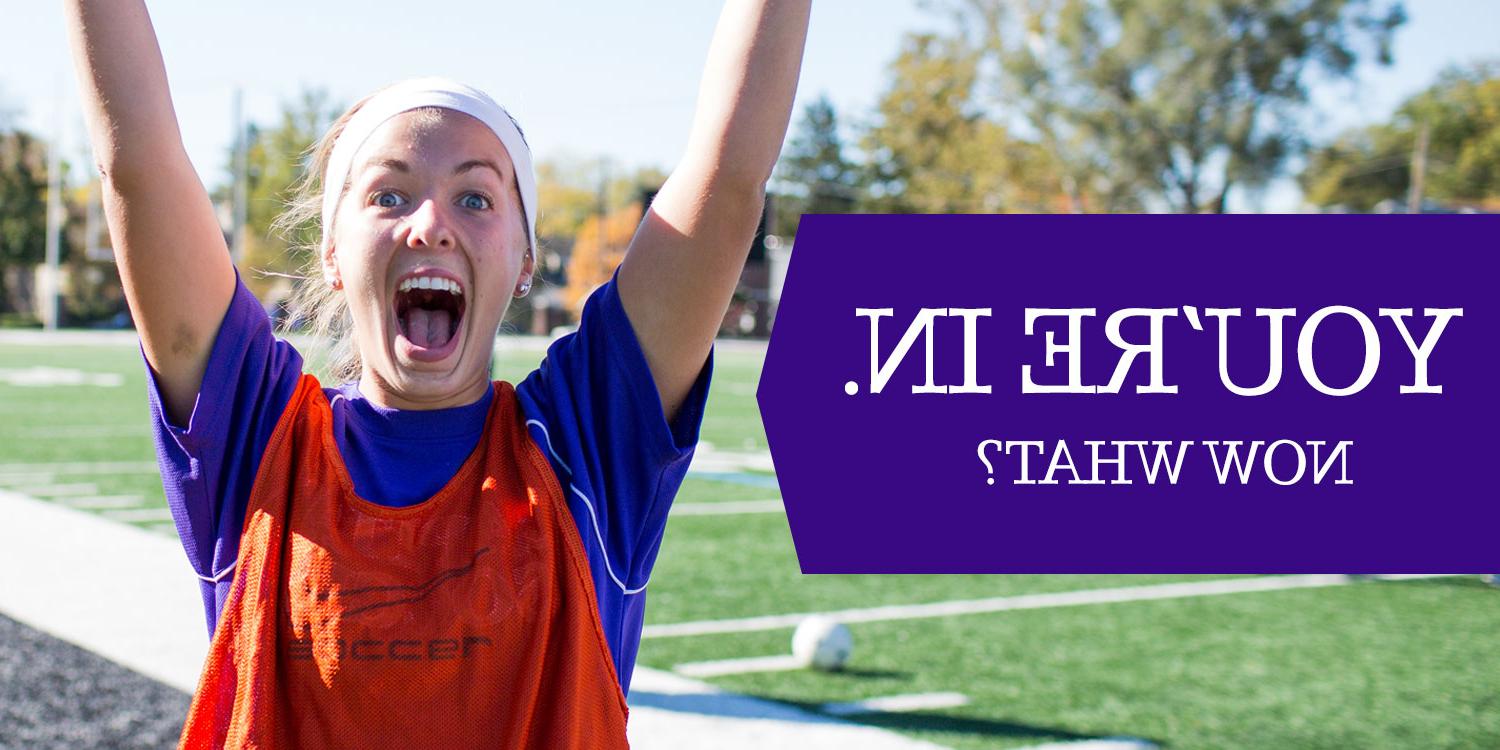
{"x": 381, "y": 199}
{"x": 476, "y": 201}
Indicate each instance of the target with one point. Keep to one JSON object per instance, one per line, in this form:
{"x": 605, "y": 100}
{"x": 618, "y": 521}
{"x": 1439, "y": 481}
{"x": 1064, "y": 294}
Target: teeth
{"x": 432, "y": 282}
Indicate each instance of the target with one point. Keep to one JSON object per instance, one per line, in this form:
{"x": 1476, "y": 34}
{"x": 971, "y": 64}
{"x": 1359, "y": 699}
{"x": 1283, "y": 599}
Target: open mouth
{"x": 429, "y": 310}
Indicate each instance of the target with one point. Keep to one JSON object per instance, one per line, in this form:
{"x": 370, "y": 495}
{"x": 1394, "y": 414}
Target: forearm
{"x": 173, "y": 262}
{"x": 123, "y": 84}
{"x": 745, "y": 97}
{"x": 683, "y": 265}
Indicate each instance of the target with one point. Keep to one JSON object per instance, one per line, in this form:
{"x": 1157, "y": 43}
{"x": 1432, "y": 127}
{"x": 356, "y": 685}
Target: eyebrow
{"x": 401, "y": 166}
{"x": 474, "y": 163}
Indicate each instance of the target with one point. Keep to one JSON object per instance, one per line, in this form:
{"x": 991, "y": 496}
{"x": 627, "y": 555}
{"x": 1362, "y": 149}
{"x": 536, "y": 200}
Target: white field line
{"x": 1106, "y": 743}
{"x": 138, "y": 515}
{"x": 58, "y": 490}
{"x": 709, "y": 458}
{"x": 39, "y": 376}
{"x": 897, "y": 704}
{"x": 10, "y": 480}
{"x": 728, "y": 508}
{"x": 669, "y": 711}
{"x": 133, "y": 599}
{"x": 83, "y": 431}
{"x": 81, "y": 467}
{"x": 721, "y": 667}
{"x": 100, "y": 502}
{"x": 737, "y": 389}
{"x": 70, "y": 338}
{"x": 1020, "y": 602}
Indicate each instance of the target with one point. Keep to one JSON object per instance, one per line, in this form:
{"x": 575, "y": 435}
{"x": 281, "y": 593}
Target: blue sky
{"x": 583, "y": 78}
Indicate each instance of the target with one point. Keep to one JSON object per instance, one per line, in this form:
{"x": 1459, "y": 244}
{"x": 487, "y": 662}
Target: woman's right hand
{"x": 173, "y": 260}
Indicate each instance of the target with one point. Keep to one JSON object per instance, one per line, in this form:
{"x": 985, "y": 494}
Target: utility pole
{"x": 50, "y": 287}
{"x": 1418, "y": 170}
{"x": 241, "y": 201}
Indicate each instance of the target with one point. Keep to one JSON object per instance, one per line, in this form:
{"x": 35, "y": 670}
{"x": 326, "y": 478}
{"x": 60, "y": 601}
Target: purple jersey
{"x": 591, "y": 406}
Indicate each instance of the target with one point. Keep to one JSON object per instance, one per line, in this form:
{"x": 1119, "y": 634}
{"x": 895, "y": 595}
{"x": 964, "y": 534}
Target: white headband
{"x": 416, "y": 94}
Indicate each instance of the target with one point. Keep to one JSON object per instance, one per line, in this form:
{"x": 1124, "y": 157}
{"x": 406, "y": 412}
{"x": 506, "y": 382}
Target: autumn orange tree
{"x": 598, "y": 249}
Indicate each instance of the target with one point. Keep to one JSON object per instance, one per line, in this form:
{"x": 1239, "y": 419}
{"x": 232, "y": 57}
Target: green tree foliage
{"x": 572, "y": 193}
{"x": 568, "y": 189}
{"x": 935, "y": 148}
{"x": 568, "y": 192}
{"x": 92, "y": 290}
{"x": 275, "y": 160}
{"x": 815, "y": 176}
{"x": 931, "y": 149}
{"x": 1169, "y": 103}
{"x": 23, "y": 206}
{"x": 1461, "y": 112}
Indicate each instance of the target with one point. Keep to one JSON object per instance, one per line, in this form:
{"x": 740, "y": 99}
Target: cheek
{"x": 363, "y": 287}
{"x": 358, "y": 281}
{"x": 358, "y": 256}
{"x": 503, "y": 257}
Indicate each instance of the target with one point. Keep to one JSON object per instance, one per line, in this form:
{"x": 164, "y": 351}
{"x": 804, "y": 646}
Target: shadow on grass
{"x": 1458, "y": 581}
{"x": 933, "y": 721}
{"x": 871, "y": 674}
{"x": 754, "y": 707}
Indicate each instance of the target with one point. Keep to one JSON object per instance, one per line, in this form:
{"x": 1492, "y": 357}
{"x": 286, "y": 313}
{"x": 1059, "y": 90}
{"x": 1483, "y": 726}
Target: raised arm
{"x": 173, "y": 262}
{"x": 682, "y": 267}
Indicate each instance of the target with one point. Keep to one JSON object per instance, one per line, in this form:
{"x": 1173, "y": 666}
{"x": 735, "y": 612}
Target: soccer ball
{"x": 822, "y": 643}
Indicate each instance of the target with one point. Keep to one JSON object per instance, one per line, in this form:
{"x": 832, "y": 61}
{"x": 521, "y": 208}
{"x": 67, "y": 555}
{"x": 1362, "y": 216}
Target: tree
{"x": 276, "y": 158}
{"x": 597, "y": 252}
{"x": 1169, "y": 103}
{"x": 1461, "y": 112}
{"x": 1359, "y": 169}
{"x": 23, "y": 206}
{"x": 93, "y": 291}
{"x": 933, "y": 148}
{"x": 568, "y": 190}
{"x": 573, "y": 193}
{"x": 814, "y": 176}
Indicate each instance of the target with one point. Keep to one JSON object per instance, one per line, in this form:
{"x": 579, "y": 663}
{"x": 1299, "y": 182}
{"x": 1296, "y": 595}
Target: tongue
{"x": 427, "y": 328}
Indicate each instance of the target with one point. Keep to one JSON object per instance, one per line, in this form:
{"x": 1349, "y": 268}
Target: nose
{"x": 428, "y": 227}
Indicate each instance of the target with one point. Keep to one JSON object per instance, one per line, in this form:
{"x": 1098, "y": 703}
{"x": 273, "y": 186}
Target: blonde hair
{"x": 314, "y": 302}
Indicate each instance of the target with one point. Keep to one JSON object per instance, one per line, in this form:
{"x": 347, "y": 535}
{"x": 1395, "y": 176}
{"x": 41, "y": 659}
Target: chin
{"x": 417, "y": 384}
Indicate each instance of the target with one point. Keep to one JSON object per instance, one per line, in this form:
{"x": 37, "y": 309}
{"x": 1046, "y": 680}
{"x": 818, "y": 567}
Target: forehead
{"x": 434, "y": 138}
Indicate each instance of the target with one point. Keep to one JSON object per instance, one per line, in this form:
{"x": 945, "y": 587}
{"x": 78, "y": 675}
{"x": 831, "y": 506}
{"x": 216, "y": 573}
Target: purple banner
{"x": 1077, "y": 417}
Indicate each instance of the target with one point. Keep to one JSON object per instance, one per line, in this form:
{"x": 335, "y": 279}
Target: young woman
{"x": 420, "y": 557}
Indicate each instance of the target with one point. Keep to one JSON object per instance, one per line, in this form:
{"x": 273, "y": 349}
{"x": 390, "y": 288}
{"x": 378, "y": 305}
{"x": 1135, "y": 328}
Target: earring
{"x": 522, "y": 290}
{"x": 335, "y": 284}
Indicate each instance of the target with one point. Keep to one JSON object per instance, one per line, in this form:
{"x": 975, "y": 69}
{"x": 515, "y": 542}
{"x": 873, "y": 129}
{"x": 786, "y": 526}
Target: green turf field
{"x": 1366, "y": 665}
